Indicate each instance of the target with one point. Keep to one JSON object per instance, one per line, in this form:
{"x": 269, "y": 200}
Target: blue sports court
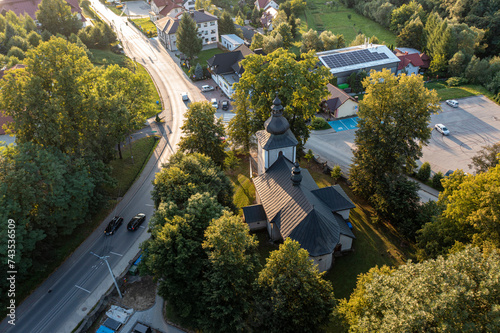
{"x": 344, "y": 124}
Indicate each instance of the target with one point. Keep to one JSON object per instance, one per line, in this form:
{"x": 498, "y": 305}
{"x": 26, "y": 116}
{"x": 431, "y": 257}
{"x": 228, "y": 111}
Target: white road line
{"x": 82, "y": 289}
{"x": 149, "y": 205}
{"x": 121, "y": 255}
{"x": 142, "y": 227}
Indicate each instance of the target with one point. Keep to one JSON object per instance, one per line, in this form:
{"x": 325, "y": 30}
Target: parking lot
{"x": 474, "y": 124}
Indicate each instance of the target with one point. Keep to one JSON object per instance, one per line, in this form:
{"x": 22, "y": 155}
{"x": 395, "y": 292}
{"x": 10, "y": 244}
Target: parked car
{"x": 184, "y": 96}
{"x": 136, "y": 221}
{"x": 206, "y": 88}
{"x": 214, "y": 103}
{"x": 225, "y": 105}
{"x": 113, "y": 225}
{"x": 442, "y": 129}
{"x": 452, "y": 103}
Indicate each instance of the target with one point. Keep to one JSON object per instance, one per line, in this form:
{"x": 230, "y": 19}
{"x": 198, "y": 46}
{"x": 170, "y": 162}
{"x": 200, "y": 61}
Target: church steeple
{"x": 276, "y": 124}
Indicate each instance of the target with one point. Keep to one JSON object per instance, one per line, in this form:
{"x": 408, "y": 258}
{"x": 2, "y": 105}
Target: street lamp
{"x": 105, "y": 258}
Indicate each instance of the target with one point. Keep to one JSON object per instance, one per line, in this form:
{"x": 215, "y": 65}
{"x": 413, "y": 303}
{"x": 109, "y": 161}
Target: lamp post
{"x": 105, "y": 258}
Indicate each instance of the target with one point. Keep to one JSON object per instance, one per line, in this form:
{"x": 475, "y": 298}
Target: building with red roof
{"x": 411, "y": 61}
{"x": 30, "y": 7}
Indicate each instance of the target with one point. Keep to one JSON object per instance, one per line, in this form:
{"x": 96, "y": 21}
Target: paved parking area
{"x": 344, "y": 124}
{"x": 474, "y": 124}
{"x": 136, "y": 8}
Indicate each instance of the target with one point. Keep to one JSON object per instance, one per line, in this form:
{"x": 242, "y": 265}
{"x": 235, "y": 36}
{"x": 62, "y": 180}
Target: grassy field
{"x": 64, "y": 246}
{"x": 318, "y": 16}
{"x": 146, "y": 26}
{"x": 244, "y": 191}
{"x": 156, "y": 95}
{"x": 444, "y": 92}
{"x": 202, "y": 58}
{"x": 101, "y": 57}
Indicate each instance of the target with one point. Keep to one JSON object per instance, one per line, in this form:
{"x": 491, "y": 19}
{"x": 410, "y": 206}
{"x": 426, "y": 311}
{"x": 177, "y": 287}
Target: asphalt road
{"x": 475, "y": 123}
{"x": 64, "y": 299}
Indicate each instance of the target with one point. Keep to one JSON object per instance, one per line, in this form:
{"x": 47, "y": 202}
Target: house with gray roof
{"x": 206, "y": 23}
{"x": 289, "y": 202}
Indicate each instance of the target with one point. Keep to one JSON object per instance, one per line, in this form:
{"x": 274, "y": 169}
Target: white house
{"x": 411, "y": 61}
{"x": 265, "y": 4}
{"x": 231, "y": 41}
{"x": 267, "y": 18}
{"x": 207, "y": 28}
{"x": 290, "y": 204}
{"x": 164, "y": 8}
{"x": 343, "y": 62}
{"x": 339, "y": 103}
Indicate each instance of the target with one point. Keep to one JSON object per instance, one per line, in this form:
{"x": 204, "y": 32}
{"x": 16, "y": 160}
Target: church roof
{"x": 276, "y": 124}
{"x": 297, "y": 211}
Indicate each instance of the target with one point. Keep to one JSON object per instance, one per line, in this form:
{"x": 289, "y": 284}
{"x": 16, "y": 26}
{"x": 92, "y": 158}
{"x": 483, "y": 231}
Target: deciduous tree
{"x": 311, "y": 42}
{"x": 486, "y": 158}
{"x": 56, "y": 17}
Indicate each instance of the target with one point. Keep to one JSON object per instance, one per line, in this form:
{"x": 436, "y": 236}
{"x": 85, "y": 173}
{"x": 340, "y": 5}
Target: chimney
{"x": 296, "y": 176}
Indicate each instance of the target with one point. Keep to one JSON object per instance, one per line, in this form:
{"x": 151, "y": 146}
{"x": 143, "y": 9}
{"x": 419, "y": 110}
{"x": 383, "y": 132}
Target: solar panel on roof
{"x": 352, "y": 58}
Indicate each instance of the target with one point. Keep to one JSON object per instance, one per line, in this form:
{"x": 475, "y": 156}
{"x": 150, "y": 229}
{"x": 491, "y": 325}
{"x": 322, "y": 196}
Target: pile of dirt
{"x": 140, "y": 294}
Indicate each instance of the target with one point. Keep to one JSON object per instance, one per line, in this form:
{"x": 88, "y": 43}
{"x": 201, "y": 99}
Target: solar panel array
{"x": 352, "y": 58}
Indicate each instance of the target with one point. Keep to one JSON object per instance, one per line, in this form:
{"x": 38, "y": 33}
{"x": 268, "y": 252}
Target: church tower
{"x": 277, "y": 139}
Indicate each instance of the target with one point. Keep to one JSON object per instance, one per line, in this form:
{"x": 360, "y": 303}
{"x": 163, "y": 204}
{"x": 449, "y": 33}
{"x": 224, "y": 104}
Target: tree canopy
{"x": 56, "y": 17}
{"x": 300, "y": 85}
{"x": 460, "y": 292}
{"x": 203, "y": 132}
{"x": 187, "y": 38}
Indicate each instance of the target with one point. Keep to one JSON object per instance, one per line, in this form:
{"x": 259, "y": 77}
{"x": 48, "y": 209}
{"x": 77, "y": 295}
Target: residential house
{"x": 267, "y": 18}
{"x": 412, "y": 61}
{"x": 248, "y": 33}
{"x": 207, "y": 28}
{"x": 30, "y": 7}
{"x": 343, "y": 62}
{"x": 265, "y": 4}
{"x": 290, "y": 204}
{"x": 165, "y": 8}
{"x": 231, "y": 41}
{"x": 340, "y": 104}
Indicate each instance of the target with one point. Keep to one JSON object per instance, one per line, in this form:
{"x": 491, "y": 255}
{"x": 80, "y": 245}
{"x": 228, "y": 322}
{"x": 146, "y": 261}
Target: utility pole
{"x": 105, "y": 258}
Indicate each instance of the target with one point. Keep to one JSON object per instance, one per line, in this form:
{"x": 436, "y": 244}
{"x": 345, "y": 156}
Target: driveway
{"x": 136, "y": 8}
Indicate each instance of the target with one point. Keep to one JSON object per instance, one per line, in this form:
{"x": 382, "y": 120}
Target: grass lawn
{"x": 146, "y": 26}
{"x": 63, "y": 247}
{"x": 318, "y": 16}
{"x": 115, "y": 10}
{"x": 444, "y": 92}
{"x": 244, "y": 191}
{"x": 202, "y": 58}
{"x": 156, "y": 95}
{"x": 102, "y": 56}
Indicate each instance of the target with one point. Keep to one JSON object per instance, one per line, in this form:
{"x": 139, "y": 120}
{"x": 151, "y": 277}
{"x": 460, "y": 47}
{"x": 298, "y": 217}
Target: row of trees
{"x": 68, "y": 116}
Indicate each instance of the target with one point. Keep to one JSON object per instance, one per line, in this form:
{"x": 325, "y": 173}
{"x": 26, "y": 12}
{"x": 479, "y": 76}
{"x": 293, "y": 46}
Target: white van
{"x": 452, "y": 103}
{"x": 214, "y": 103}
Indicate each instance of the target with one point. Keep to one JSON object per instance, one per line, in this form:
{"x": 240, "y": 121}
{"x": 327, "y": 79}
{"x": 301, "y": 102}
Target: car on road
{"x": 184, "y": 96}
{"x": 225, "y": 105}
{"x": 113, "y": 225}
{"x": 452, "y": 103}
{"x": 136, "y": 222}
{"x": 206, "y": 88}
{"x": 214, "y": 103}
{"x": 442, "y": 129}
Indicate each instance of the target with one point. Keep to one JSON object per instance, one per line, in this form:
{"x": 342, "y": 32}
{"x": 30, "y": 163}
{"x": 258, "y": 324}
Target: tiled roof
{"x": 337, "y": 97}
{"x": 297, "y": 212}
{"x": 271, "y": 141}
{"x": 30, "y": 7}
{"x": 223, "y": 63}
{"x": 413, "y": 58}
{"x": 254, "y": 213}
{"x": 169, "y": 7}
{"x": 263, "y": 3}
{"x": 161, "y": 3}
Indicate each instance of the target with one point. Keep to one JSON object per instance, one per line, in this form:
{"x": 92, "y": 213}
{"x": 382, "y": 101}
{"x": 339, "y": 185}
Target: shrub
{"x": 456, "y": 81}
{"x": 436, "y": 181}
{"x": 336, "y": 173}
{"x": 424, "y": 173}
{"x": 309, "y": 156}
{"x": 319, "y": 123}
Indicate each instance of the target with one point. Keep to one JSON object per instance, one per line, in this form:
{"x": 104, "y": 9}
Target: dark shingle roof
{"x": 297, "y": 212}
{"x": 223, "y": 63}
{"x": 247, "y": 32}
{"x": 169, "y": 25}
{"x": 254, "y": 213}
{"x": 271, "y": 141}
{"x": 332, "y": 197}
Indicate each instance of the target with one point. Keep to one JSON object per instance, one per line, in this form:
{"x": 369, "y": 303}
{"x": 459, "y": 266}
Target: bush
{"x": 319, "y": 123}
{"x": 424, "y": 173}
{"x": 336, "y": 173}
{"x": 456, "y": 81}
{"x": 436, "y": 181}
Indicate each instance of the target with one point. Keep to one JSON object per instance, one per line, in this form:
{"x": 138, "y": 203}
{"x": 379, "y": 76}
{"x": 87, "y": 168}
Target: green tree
{"x": 393, "y": 127}
{"x": 188, "y": 41}
{"x": 329, "y": 40}
{"x": 486, "y": 158}
{"x": 292, "y": 296}
{"x": 233, "y": 267}
{"x": 175, "y": 257}
{"x": 257, "y": 41}
{"x": 198, "y": 71}
{"x": 310, "y": 42}
{"x": 240, "y": 129}
{"x": 16, "y": 52}
{"x": 272, "y": 42}
{"x": 297, "y": 6}
{"x": 477, "y": 71}
{"x": 56, "y": 17}
{"x": 438, "y": 40}
{"x": 203, "y": 132}
{"x": 285, "y": 31}
{"x": 292, "y": 21}
{"x": 226, "y": 24}
{"x": 457, "y": 64}
{"x": 412, "y": 35}
{"x": 301, "y": 86}
{"x": 457, "y": 293}
{"x": 34, "y": 39}
{"x": 424, "y": 172}
{"x": 405, "y": 13}
{"x": 185, "y": 175}
{"x": 336, "y": 173}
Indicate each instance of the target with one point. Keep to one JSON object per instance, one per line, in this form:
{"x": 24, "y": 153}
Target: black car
{"x": 113, "y": 225}
{"x": 136, "y": 222}
{"x": 225, "y": 105}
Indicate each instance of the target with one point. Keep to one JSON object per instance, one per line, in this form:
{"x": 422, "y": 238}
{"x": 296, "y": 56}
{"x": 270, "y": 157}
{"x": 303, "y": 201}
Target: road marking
{"x": 150, "y": 205}
{"x": 82, "y": 289}
{"x": 121, "y": 255}
{"x": 142, "y": 227}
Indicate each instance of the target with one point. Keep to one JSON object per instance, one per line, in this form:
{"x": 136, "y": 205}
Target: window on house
{"x": 206, "y": 32}
{"x": 205, "y": 25}
{"x": 212, "y": 23}
{"x": 206, "y": 40}
{"x": 199, "y": 25}
{"x": 212, "y": 31}
{"x": 213, "y": 39}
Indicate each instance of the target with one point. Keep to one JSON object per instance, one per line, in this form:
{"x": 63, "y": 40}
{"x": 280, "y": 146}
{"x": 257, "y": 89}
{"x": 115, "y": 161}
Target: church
{"x": 290, "y": 204}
